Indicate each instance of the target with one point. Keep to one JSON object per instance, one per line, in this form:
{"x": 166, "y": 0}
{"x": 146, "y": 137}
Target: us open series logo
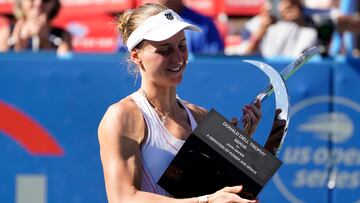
{"x": 322, "y": 157}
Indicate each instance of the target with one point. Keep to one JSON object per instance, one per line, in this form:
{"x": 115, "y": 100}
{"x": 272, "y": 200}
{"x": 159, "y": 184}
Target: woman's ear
{"x": 134, "y": 55}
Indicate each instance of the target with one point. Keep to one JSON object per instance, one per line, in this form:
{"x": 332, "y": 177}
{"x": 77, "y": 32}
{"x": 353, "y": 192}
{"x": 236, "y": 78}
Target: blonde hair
{"x": 132, "y": 18}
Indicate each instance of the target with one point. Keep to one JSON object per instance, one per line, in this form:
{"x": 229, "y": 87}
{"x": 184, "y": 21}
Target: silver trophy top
{"x": 277, "y": 85}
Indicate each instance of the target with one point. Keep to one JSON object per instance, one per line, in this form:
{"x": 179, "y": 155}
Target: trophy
{"x": 219, "y": 154}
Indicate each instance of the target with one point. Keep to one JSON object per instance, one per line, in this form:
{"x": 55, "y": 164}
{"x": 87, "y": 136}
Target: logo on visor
{"x": 169, "y": 16}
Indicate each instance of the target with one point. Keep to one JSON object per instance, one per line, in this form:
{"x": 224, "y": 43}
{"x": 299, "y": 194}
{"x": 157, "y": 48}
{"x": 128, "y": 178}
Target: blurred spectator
{"x": 268, "y": 36}
{"x": 332, "y": 23}
{"x": 321, "y": 4}
{"x": 345, "y": 42}
{"x": 300, "y": 29}
{"x": 32, "y": 29}
{"x": 208, "y": 41}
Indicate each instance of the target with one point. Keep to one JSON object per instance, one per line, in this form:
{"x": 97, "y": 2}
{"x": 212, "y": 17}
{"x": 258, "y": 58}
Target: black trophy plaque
{"x": 218, "y": 154}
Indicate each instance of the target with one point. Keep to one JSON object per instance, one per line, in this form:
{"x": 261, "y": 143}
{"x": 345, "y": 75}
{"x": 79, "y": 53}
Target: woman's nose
{"x": 178, "y": 56}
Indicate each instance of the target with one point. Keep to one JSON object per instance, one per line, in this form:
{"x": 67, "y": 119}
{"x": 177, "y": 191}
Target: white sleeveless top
{"x": 159, "y": 147}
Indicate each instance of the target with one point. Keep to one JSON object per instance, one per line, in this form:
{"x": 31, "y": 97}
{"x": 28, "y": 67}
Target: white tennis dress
{"x": 159, "y": 147}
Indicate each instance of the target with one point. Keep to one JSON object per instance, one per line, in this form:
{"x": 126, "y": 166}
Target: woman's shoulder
{"x": 123, "y": 118}
{"x": 125, "y": 110}
{"x": 124, "y": 106}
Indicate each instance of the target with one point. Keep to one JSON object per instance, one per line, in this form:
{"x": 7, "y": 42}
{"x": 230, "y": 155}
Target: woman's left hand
{"x": 251, "y": 117}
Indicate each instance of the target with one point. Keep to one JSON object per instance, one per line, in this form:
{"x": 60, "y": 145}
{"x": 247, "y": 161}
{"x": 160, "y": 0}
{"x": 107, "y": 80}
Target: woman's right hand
{"x": 229, "y": 195}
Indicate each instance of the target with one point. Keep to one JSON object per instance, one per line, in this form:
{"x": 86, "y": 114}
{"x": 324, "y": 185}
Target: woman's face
{"x": 290, "y": 10}
{"x": 36, "y": 8}
{"x": 163, "y": 63}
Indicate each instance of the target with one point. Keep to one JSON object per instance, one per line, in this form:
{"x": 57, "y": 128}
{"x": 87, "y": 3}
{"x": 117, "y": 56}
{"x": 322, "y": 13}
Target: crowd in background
{"x": 32, "y": 29}
{"x": 282, "y": 28}
{"x": 288, "y": 27}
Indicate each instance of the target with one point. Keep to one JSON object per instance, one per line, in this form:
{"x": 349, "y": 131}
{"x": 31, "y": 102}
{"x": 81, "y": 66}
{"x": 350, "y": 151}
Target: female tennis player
{"x": 141, "y": 134}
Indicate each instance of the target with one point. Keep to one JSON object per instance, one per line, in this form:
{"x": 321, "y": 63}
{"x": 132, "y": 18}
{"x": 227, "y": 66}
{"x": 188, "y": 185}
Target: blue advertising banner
{"x": 43, "y": 98}
{"x": 344, "y": 150}
{"x": 50, "y": 109}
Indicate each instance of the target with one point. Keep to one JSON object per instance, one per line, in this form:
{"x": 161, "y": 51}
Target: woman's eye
{"x": 164, "y": 51}
{"x": 182, "y": 47}
{"x": 169, "y": 50}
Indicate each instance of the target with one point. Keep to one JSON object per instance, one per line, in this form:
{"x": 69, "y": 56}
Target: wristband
{"x": 204, "y": 199}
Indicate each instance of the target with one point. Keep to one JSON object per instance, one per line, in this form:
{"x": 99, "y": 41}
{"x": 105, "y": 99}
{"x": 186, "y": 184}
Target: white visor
{"x": 159, "y": 27}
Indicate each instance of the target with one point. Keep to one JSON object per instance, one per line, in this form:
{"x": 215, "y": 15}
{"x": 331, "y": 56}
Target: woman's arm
{"x": 120, "y": 134}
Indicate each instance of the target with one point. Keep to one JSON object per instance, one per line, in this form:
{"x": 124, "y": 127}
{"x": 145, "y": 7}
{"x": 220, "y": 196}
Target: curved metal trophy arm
{"x": 277, "y": 85}
{"x": 281, "y": 121}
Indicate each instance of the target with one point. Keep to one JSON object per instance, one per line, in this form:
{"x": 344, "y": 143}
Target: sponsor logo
{"x": 27, "y": 132}
{"x": 77, "y": 29}
{"x": 37, "y": 141}
{"x": 169, "y": 16}
{"x": 321, "y": 153}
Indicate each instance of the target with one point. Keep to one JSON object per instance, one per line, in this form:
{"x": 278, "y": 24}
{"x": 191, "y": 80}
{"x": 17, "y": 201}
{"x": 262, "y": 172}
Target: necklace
{"x": 163, "y": 116}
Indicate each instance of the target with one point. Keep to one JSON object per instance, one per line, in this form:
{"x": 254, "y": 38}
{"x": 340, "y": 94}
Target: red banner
{"x": 81, "y": 7}
{"x": 86, "y": 7}
{"x": 207, "y": 7}
{"x": 91, "y": 34}
{"x": 212, "y": 8}
{"x": 5, "y": 6}
{"x": 243, "y": 7}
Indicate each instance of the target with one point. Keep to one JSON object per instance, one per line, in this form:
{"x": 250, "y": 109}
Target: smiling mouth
{"x": 175, "y": 69}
